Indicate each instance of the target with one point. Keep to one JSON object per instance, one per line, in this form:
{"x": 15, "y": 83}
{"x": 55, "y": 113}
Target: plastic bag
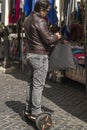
{"x": 61, "y": 57}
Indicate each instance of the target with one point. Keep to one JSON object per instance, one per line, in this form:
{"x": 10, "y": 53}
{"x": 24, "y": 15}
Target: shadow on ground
{"x": 19, "y": 107}
{"x": 69, "y": 95}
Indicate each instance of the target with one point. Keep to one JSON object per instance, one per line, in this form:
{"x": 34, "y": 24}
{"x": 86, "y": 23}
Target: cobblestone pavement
{"x": 66, "y": 101}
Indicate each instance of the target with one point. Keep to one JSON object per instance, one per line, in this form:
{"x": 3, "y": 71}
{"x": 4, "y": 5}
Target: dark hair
{"x": 41, "y": 4}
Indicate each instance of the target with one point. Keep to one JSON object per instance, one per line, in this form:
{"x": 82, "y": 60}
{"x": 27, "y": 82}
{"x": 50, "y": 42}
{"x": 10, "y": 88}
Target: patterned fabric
{"x": 79, "y": 56}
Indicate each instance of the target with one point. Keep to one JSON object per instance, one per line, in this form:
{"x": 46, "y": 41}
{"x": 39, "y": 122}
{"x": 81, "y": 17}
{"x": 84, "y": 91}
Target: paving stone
{"x": 66, "y": 102}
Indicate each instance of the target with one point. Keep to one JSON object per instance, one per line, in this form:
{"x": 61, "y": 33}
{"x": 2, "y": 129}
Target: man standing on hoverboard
{"x": 39, "y": 41}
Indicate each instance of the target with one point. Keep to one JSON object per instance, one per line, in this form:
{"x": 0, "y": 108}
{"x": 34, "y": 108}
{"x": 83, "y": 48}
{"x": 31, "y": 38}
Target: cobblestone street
{"x": 66, "y": 101}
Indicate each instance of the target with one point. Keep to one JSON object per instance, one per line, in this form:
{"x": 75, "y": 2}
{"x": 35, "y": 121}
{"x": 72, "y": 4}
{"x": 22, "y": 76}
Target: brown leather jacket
{"x": 39, "y": 37}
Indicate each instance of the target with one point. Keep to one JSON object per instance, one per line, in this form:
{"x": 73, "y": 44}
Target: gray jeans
{"x": 38, "y": 68}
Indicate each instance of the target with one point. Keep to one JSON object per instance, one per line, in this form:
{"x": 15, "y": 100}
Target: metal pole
{"x": 6, "y": 63}
{"x": 85, "y": 41}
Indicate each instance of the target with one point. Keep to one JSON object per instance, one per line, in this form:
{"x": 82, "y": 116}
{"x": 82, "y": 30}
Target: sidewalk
{"x": 67, "y": 103}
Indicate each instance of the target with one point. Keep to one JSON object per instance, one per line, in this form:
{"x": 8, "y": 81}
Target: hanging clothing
{"x": 12, "y": 8}
{"x": 71, "y": 7}
{"x": 76, "y": 32}
{"x": 5, "y": 12}
{"x": 33, "y": 3}
{"x": 52, "y": 15}
{"x": 61, "y": 10}
{"x": 14, "y": 11}
{"x": 27, "y": 7}
{"x": 79, "y": 56}
{"x": 79, "y": 12}
{"x": 65, "y": 7}
{"x": 22, "y": 4}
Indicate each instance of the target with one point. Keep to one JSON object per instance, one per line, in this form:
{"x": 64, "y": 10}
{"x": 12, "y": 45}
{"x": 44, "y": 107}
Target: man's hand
{"x": 58, "y": 35}
{"x": 64, "y": 41}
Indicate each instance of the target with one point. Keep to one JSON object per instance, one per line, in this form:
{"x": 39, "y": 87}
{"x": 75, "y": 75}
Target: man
{"x": 39, "y": 41}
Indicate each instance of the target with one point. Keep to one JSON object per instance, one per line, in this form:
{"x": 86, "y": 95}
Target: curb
{"x": 6, "y": 70}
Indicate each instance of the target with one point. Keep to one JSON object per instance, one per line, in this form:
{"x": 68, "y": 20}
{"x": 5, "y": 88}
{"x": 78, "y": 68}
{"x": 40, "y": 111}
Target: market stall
{"x": 11, "y": 20}
{"x": 80, "y": 72}
{"x": 74, "y": 25}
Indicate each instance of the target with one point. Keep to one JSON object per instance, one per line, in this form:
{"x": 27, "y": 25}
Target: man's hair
{"x": 41, "y": 4}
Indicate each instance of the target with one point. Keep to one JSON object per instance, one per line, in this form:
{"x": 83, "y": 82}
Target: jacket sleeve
{"x": 45, "y": 34}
